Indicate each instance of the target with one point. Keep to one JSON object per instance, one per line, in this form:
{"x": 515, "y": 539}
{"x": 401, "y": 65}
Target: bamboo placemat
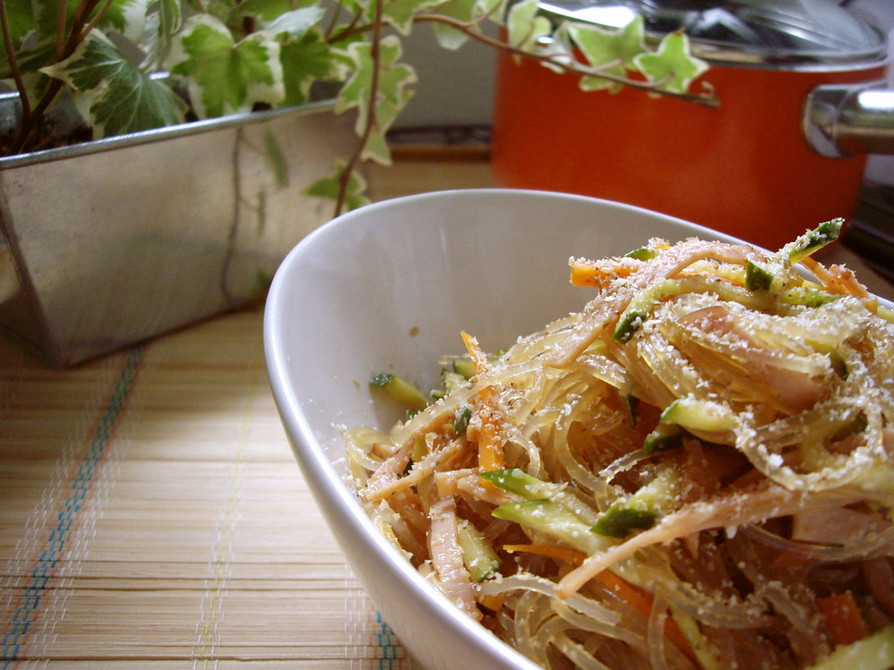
{"x": 153, "y": 515}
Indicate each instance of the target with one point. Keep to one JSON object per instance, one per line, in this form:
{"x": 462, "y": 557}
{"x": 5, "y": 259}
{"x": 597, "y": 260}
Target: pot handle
{"x": 846, "y": 119}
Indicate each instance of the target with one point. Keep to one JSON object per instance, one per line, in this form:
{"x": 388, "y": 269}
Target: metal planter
{"x": 115, "y": 241}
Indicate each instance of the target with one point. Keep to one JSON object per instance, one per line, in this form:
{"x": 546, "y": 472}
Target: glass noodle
{"x": 693, "y": 471}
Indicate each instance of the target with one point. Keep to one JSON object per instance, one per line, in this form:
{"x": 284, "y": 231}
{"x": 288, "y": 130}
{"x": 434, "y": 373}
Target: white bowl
{"x": 389, "y": 287}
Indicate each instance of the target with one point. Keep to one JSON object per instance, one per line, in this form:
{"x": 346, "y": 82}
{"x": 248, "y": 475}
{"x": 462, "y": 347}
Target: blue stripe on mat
{"x": 389, "y": 650}
{"x": 48, "y": 559}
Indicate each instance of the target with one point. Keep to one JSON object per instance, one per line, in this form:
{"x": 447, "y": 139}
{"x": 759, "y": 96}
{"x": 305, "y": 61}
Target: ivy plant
{"x": 133, "y": 65}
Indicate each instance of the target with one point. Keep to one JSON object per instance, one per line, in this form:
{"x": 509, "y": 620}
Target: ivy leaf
{"x": 304, "y": 55}
{"x": 392, "y": 95}
{"x": 46, "y": 17}
{"x": 601, "y": 47}
{"x": 672, "y": 64}
{"x": 296, "y": 22}
{"x": 525, "y": 25}
{"x": 266, "y": 10}
{"x": 376, "y": 147}
{"x": 170, "y": 15}
{"x": 223, "y": 76}
{"x": 400, "y": 13}
{"x": 276, "y": 159}
{"x": 354, "y": 8}
{"x": 128, "y": 17}
{"x": 467, "y": 11}
{"x": 328, "y": 187}
{"x": 20, "y": 17}
{"x": 112, "y": 94}
{"x": 304, "y": 61}
{"x": 30, "y": 59}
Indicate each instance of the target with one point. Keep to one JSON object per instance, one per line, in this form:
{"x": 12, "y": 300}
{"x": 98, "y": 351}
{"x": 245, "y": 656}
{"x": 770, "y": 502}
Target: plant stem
{"x": 96, "y": 19}
{"x": 572, "y": 67}
{"x": 65, "y": 47}
{"x": 14, "y": 64}
{"x": 471, "y": 30}
{"x": 61, "y": 14}
{"x": 78, "y": 22}
{"x": 371, "y": 121}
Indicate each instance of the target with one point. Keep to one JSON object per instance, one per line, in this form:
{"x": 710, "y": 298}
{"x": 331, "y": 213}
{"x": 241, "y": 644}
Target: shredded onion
{"x": 668, "y": 451}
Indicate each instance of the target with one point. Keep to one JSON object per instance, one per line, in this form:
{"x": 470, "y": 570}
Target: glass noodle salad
{"x": 693, "y": 471}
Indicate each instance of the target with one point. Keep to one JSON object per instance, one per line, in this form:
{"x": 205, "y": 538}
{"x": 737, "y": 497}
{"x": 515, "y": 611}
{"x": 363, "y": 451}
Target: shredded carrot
{"x": 642, "y": 602}
{"x": 490, "y": 442}
{"x": 841, "y": 280}
{"x": 490, "y": 446}
{"x": 588, "y": 273}
{"x": 843, "y": 618}
{"x": 562, "y": 553}
{"x": 492, "y": 602}
{"x": 601, "y": 273}
{"x": 479, "y": 358}
{"x": 836, "y": 278}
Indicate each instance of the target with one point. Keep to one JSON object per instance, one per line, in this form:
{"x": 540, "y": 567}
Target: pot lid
{"x": 744, "y": 32}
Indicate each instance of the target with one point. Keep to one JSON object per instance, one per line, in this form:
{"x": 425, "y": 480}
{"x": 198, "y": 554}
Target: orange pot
{"x": 745, "y": 168}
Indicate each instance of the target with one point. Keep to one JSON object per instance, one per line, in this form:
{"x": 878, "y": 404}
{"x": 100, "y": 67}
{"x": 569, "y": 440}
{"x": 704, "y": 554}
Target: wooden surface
{"x": 419, "y": 171}
{"x": 152, "y": 514}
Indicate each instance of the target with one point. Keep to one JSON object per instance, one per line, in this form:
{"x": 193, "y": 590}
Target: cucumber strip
{"x": 400, "y": 390}
{"x": 519, "y": 482}
{"x": 875, "y": 652}
{"x": 812, "y": 241}
{"x": 642, "y": 254}
{"x": 641, "y": 510}
{"x": 464, "y": 367}
{"x": 806, "y": 296}
{"x": 855, "y": 424}
{"x": 522, "y": 484}
{"x": 757, "y": 277}
{"x": 555, "y": 520}
{"x": 644, "y": 302}
{"x": 620, "y": 520}
{"x": 452, "y": 380}
{"x": 463, "y": 415}
{"x": 699, "y": 415}
{"x": 631, "y": 403}
{"x": 479, "y": 557}
{"x": 760, "y": 277}
{"x": 835, "y": 357}
{"x": 663, "y": 437}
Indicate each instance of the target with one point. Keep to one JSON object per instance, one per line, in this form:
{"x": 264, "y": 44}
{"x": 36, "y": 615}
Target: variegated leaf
{"x": 329, "y": 187}
{"x": 392, "y": 94}
{"x": 400, "y": 13}
{"x": 526, "y": 26}
{"x": 224, "y": 76}
{"x": 112, "y": 94}
{"x": 602, "y": 48}
{"x": 305, "y": 60}
{"x": 672, "y": 64}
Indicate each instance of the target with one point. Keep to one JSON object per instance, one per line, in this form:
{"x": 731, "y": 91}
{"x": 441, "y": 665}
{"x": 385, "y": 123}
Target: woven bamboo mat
{"x": 152, "y": 515}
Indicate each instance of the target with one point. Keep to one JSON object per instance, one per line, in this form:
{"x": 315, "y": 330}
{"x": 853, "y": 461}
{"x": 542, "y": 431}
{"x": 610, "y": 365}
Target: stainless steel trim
{"x": 842, "y": 120}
